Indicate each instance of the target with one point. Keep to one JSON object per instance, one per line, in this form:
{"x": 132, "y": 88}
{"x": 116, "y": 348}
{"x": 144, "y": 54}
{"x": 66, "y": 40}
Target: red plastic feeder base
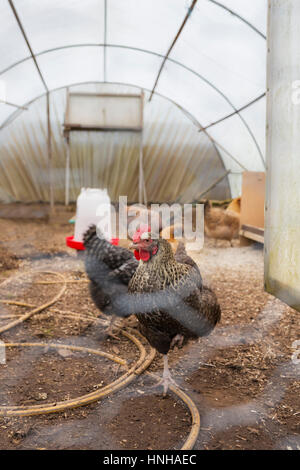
{"x": 71, "y": 243}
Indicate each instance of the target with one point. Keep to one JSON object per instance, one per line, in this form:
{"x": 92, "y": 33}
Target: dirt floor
{"x": 242, "y": 377}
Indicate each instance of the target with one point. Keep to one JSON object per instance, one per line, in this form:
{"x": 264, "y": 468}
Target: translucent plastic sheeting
{"x": 234, "y": 136}
{"x": 225, "y": 51}
{"x": 66, "y": 66}
{"x": 23, "y": 83}
{"x": 255, "y": 116}
{"x": 228, "y": 160}
{"x": 5, "y": 111}
{"x": 235, "y": 181}
{"x": 235, "y": 175}
{"x": 55, "y": 23}
{"x": 192, "y": 93}
{"x": 220, "y": 59}
{"x": 150, "y": 25}
{"x": 105, "y": 160}
{"x": 179, "y": 163}
{"x": 254, "y": 11}
{"x": 12, "y": 44}
{"x": 248, "y": 157}
{"x": 132, "y": 67}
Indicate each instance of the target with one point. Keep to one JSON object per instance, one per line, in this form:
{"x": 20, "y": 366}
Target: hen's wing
{"x": 203, "y": 311}
{"x": 109, "y": 269}
{"x": 125, "y": 271}
{"x": 182, "y": 257}
{"x": 98, "y": 247}
{"x": 158, "y": 299}
{"x": 169, "y": 309}
{"x": 104, "y": 289}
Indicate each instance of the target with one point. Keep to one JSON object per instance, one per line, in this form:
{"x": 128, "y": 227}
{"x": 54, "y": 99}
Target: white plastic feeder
{"x": 93, "y": 207}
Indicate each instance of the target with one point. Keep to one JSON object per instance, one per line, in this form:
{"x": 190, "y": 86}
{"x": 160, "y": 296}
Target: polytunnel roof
{"x": 207, "y": 56}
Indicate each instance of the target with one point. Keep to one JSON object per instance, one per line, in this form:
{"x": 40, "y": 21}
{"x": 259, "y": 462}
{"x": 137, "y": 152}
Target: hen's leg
{"x": 111, "y": 327}
{"x": 178, "y": 339}
{"x": 166, "y": 379}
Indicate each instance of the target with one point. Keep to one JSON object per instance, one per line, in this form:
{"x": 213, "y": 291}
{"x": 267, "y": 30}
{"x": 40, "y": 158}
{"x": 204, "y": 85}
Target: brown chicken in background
{"x": 221, "y": 224}
{"x": 235, "y": 205}
{"x": 168, "y": 233}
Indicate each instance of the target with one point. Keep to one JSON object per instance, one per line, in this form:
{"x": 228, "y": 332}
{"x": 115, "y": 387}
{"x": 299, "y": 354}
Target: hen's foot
{"x": 110, "y": 334}
{"x": 166, "y": 381}
{"x": 113, "y": 329}
{"x": 178, "y": 339}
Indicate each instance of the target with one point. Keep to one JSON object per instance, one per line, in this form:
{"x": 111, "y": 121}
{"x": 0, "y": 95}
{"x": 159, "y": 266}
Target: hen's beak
{"x": 133, "y": 246}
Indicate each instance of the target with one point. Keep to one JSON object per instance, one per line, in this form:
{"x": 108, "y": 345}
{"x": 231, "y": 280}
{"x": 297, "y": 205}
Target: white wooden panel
{"x": 104, "y": 111}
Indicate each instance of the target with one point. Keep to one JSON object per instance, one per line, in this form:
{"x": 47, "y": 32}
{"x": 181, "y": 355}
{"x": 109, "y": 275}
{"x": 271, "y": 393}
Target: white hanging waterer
{"x": 93, "y": 207}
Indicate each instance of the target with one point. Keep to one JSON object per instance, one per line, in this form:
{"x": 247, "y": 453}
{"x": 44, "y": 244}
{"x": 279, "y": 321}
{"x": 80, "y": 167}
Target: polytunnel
{"x": 154, "y": 328}
{"x": 199, "y": 64}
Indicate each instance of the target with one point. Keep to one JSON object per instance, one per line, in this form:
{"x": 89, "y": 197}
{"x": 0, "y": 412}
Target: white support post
{"x": 141, "y": 173}
{"x": 49, "y": 150}
{"x": 67, "y": 174}
{"x": 142, "y": 185}
{"x": 282, "y": 208}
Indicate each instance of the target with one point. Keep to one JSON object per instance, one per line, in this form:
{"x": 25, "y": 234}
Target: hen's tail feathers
{"x": 210, "y": 305}
{"x": 89, "y": 235}
{"x": 181, "y": 249}
{"x": 181, "y": 256}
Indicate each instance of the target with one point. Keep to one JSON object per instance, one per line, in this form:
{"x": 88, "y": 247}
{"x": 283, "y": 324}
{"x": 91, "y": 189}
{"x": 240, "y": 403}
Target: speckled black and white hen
{"x": 168, "y": 297}
{"x": 109, "y": 269}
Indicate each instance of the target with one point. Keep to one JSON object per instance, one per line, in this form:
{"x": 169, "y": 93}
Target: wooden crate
{"x": 252, "y": 207}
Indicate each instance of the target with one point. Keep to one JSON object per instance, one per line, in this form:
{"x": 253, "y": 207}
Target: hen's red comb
{"x": 137, "y": 236}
